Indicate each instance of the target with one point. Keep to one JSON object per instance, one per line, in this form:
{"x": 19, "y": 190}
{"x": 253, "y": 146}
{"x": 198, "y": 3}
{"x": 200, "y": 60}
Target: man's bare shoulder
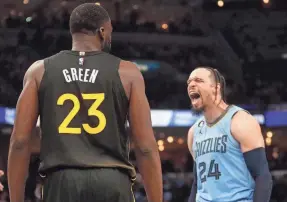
{"x": 35, "y": 68}
{"x": 125, "y": 64}
{"x": 35, "y": 71}
{"x": 246, "y": 130}
{"x": 36, "y": 65}
{"x": 242, "y": 120}
{"x": 130, "y": 69}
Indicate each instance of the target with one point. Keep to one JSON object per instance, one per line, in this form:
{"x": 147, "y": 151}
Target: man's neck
{"x": 213, "y": 112}
{"x": 85, "y": 43}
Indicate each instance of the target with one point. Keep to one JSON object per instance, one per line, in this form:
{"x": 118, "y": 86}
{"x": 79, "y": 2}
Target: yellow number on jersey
{"x": 63, "y": 128}
{"x": 93, "y": 111}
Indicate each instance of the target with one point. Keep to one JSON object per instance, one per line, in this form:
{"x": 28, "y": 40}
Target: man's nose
{"x": 191, "y": 85}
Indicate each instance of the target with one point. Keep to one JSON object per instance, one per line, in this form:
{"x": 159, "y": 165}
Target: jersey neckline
{"x": 81, "y": 53}
{"x": 210, "y": 125}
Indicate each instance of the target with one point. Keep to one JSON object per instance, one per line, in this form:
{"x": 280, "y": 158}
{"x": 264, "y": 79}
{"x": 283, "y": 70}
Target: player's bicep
{"x": 26, "y": 110}
{"x": 246, "y": 131}
{"x": 139, "y": 113}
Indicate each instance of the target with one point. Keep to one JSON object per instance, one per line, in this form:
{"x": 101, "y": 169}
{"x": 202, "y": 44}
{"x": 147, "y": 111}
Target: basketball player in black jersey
{"x": 84, "y": 97}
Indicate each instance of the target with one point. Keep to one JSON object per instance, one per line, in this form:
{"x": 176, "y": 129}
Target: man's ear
{"x": 101, "y": 32}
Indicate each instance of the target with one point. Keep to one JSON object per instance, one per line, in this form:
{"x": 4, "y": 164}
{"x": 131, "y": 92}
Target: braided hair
{"x": 219, "y": 79}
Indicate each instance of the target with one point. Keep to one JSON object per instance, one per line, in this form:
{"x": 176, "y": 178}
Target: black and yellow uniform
{"x": 83, "y": 113}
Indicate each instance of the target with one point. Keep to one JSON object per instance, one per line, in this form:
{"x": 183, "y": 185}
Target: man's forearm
{"x": 263, "y": 188}
{"x": 257, "y": 165}
{"x": 149, "y": 165}
{"x": 18, "y": 165}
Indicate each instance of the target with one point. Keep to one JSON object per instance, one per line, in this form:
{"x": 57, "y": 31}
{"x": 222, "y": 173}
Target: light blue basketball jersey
{"x": 222, "y": 175}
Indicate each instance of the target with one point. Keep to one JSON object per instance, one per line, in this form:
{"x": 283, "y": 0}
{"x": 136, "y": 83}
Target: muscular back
{"x": 125, "y": 95}
{"x": 61, "y": 81}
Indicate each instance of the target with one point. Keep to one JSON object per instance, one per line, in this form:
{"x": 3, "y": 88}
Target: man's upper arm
{"x": 27, "y": 106}
{"x": 246, "y": 130}
{"x": 139, "y": 111}
{"x": 190, "y": 140}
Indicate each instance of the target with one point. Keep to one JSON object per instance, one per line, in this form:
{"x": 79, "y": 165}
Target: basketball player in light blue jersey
{"x": 226, "y": 144}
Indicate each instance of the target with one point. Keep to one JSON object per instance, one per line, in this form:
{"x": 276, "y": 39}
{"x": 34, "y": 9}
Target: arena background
{"x": 245, "y": 39}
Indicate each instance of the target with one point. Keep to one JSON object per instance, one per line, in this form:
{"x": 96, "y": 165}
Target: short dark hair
{"x": 88, "y": 16}
{"x": 219, "y": 79}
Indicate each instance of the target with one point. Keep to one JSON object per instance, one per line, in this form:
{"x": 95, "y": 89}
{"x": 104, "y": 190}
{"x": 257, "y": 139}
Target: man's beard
{"x": 198, "y": 111}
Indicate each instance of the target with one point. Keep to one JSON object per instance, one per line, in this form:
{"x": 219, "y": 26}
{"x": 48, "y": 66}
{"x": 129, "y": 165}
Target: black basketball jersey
{"x": 83, "y": 112}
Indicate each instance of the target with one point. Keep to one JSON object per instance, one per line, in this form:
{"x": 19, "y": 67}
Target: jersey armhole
{"x": 234, "y": 142}
{"x": 46, "y": 64}
{"x": 42, "y": 85}
{"x": 121, "y": 85}
{"x": 197, "y": 127}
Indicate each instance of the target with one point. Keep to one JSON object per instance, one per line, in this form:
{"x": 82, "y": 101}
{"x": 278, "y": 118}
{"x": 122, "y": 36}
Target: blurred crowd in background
{"x": 246, "y": 45}
{"x": 251, "y": 33}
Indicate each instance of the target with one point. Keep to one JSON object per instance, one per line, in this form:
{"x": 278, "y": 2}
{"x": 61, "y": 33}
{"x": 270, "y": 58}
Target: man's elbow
{"x": 267, "y": 177}
{"x": 146, "y": 150}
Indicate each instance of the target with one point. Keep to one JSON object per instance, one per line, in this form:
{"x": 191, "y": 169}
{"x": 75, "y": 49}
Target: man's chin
{"x": 197, "y": 110}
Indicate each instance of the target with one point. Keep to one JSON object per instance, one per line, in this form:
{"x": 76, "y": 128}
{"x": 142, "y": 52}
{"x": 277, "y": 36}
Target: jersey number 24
{"x": 213, "y": 171}
{"x": 93, "y": 111}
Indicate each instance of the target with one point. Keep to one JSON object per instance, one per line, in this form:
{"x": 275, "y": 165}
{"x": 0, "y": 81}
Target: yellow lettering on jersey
{"x": 92, "y": 111}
